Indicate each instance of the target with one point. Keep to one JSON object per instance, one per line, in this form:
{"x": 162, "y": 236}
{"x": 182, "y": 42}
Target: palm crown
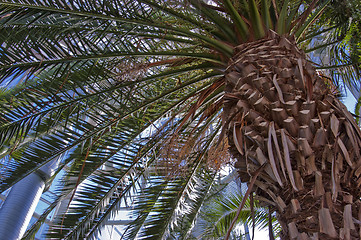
{"x": 131, "y": 95}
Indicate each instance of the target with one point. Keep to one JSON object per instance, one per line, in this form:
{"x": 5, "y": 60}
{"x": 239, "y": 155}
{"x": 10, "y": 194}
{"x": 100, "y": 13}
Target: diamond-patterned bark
{"x": 284, "y": 115}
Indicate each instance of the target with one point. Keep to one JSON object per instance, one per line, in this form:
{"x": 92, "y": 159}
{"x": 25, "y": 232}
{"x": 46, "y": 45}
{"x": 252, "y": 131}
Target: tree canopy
{"x": 130, "y": 93}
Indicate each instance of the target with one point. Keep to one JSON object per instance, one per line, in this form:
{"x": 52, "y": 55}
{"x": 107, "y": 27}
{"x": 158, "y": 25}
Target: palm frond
{"x": 131, "y": 93}
{"x": 222, "y": 208}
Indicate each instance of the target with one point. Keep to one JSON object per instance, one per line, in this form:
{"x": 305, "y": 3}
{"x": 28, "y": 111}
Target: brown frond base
{"x": 279, "y": 112}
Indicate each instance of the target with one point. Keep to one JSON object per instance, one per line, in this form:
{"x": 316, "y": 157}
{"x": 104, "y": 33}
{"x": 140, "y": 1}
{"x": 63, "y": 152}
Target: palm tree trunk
{"x": 281, "y": 113}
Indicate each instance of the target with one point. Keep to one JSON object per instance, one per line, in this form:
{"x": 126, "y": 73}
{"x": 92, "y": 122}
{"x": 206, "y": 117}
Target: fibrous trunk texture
{"x": 283, "y": 115}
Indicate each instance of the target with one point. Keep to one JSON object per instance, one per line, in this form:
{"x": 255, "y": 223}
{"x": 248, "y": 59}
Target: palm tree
{"x": 220, "y": 210}
{"x": 144, "y": 99}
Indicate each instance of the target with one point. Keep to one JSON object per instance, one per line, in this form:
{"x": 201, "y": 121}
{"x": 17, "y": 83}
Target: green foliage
{"x": 220, "y": 210}
{"x": 108, "y": 85}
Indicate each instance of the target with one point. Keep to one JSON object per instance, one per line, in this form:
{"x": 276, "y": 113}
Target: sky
{"x": 349, "y": 101}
